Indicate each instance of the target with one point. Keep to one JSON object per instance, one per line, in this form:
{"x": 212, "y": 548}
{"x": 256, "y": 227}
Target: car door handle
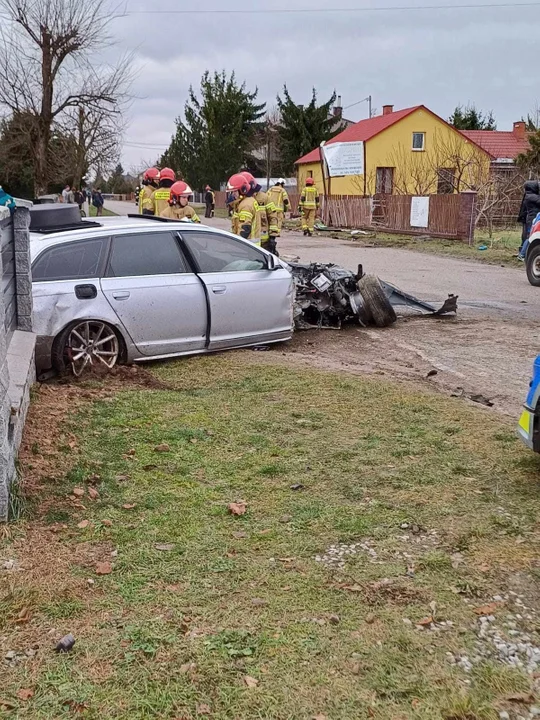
{"x": 219, "y": 289}
{"x": 121, "y": 295}
{"x": 85, "y": 292}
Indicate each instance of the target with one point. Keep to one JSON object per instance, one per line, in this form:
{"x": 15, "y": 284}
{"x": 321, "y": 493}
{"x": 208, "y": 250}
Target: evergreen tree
{"x": 530, "y": 160}
{"x": 303, "y": 128}
{"x": 469, "y": 118}
{"x": 218, "y": 133}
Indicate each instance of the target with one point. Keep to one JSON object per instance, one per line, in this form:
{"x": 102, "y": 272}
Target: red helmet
{"x": 180, "y": 189}
{"x": 167, "y": 174}
{"x": 310, "y": 181}
{"x": 251, "y": 180}
{"x": 239, "y": 183}
{"x": 151, "y": 174}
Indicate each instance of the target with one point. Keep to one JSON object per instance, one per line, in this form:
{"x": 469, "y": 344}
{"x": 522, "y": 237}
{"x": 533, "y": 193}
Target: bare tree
{"x": 45, "y": 68}
{"x": 413, "y": 172}
{"x": 96, "y": 133}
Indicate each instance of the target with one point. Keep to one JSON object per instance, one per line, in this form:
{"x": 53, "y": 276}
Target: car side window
{"x": 215, "y": 252}
{"x": 70, "y": 261}
{"x": 145, "y": 254}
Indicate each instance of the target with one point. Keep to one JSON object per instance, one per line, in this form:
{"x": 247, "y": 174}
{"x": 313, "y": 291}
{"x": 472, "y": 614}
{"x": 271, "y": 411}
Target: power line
{"x": 328, "y": 11}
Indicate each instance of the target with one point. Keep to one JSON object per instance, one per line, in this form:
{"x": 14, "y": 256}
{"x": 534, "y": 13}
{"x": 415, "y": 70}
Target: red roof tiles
{"x": 363, "y": 130}
{"x": 499, "y": 144}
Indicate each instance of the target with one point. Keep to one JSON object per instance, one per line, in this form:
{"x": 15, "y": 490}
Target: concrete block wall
{"x": 17, "y": 365}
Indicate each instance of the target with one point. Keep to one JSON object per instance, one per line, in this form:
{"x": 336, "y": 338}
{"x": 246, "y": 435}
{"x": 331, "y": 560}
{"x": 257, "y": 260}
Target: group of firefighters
{"x": 255, "y": 215}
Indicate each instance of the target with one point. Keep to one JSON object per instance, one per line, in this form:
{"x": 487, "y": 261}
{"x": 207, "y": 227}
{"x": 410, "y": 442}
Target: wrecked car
{"x": 129, "y": 289}
{"x": 327, "y": 296}
{"x": 136, "y": 288}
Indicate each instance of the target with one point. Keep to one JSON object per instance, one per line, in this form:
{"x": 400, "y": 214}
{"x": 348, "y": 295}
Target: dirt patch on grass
{"x": 466, "y": 354}
{"x": 198, "y": 599}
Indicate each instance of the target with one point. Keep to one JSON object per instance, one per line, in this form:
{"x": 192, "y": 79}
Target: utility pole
{"x": 369, "y": 101}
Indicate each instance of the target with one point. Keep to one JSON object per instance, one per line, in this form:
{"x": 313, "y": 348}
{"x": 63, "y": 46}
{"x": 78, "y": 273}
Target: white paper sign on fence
{"x": 420, "y": 212}
{"x": 344, "y": 158}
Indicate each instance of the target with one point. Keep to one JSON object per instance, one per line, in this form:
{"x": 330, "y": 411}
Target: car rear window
{"x": 145, "y": 254}
{"x": 71, "y": 261}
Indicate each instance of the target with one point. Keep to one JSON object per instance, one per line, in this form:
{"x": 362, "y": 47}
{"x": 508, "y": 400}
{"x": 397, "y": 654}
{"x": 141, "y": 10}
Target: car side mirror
{"x": 271, "y": 263}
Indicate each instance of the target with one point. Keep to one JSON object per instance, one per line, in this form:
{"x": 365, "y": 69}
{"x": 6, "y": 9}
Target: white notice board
{"x": 345, "y": 158}
{"x": 420, "y": 212}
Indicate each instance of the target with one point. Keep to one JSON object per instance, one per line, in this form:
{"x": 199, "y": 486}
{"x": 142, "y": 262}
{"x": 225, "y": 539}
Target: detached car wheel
{"x": 533, "y": 266}
{"x": 377, "y": 304}
{"x": 86, "y": 345}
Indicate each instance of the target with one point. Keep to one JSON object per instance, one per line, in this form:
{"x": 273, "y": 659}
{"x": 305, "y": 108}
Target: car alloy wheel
{"x": 91, "y": 344}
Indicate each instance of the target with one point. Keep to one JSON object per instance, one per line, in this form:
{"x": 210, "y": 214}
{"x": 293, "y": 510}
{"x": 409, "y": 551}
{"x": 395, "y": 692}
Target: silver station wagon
{"x": 130, "y": 289}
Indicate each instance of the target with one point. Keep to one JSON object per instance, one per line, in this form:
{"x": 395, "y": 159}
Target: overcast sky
{"x": 439, "y": 58}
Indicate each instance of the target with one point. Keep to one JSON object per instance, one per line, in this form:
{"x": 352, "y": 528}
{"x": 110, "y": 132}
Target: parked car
{"x": 529, "y": 423}
{"x": 130, "y": 289}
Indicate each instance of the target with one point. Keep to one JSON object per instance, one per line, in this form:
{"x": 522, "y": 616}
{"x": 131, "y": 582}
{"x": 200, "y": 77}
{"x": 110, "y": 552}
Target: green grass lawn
{"x": 208, "y": 614}
{"x": 500, "y": 249}
{"x": 106, "y": 212}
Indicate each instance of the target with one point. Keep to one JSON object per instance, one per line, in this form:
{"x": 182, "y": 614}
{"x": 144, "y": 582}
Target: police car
{"x": 529, "y": 423}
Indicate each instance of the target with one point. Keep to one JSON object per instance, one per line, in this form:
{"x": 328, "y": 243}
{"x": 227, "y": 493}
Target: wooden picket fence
{"x": 450, "y": 216}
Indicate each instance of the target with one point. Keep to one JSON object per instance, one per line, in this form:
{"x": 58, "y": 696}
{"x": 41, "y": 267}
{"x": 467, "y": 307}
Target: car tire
{"x": 86, "y": 345}
{"x": 533, "y": 265}
{"x": 377, "y": 304}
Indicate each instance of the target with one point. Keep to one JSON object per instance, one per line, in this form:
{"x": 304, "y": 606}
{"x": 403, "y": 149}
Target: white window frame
{"x": 415, "y": 149}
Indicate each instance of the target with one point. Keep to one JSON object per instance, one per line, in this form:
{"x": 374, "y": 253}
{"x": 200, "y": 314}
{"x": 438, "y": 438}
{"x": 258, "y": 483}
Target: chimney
{"x": 338, "y": 110}
{"x": 520, "y": 130}
{"x": 387, "y": 109}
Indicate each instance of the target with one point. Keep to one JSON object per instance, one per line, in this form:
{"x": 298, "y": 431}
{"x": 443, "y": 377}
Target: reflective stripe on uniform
{"x": 309, "y": 198}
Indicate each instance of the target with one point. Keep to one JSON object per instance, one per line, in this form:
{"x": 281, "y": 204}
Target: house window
{"x": 419, "y": 141}
{"x": 384, "y": 184}
{"x": 446, "y": 181}
{"x": 310, "y": 173}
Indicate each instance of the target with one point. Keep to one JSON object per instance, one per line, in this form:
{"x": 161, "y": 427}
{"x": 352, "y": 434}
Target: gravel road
{"x": 487, "y": 350}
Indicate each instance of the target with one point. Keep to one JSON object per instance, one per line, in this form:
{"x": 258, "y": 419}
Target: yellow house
{"x": 410, "y": 152}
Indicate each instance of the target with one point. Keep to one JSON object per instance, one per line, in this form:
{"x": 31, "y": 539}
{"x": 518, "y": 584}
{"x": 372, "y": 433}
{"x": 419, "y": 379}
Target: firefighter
{"x": 266, "y": 210}
{"x": 209, "y": 201}
{"x": 246, "y": 217}
{"x": 179, "y": 207}
{"x": 167, "y": 178}
{"x": 146, "y": 193}
{"x": 278, "y": 195}
{"x": 309, "y": 205}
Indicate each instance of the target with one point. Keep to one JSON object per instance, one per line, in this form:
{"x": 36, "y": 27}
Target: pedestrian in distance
{"x": 98, "y": 202}
{"x": 210, "y": 202}
{"x": 79, "y": 197}
{"x": 150, "y": 184}
{"x": 67, "y": 195}
{"x": 162, "y": 195}
{"x": 309, "y": 206}
{"x": 530, "y": 207}
{"x": 179, "y": 207}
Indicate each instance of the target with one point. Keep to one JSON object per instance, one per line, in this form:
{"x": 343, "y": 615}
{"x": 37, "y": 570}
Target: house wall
{"x": 17, "y": 366}
{"x": 415, "y": 172}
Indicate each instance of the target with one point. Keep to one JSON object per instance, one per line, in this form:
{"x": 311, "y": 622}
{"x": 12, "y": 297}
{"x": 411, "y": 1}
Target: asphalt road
{"x": 483, "y": 289}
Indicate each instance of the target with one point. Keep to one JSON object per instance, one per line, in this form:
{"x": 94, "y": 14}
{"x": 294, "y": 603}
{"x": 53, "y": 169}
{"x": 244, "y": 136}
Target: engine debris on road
{"x": 327, "y": 296}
